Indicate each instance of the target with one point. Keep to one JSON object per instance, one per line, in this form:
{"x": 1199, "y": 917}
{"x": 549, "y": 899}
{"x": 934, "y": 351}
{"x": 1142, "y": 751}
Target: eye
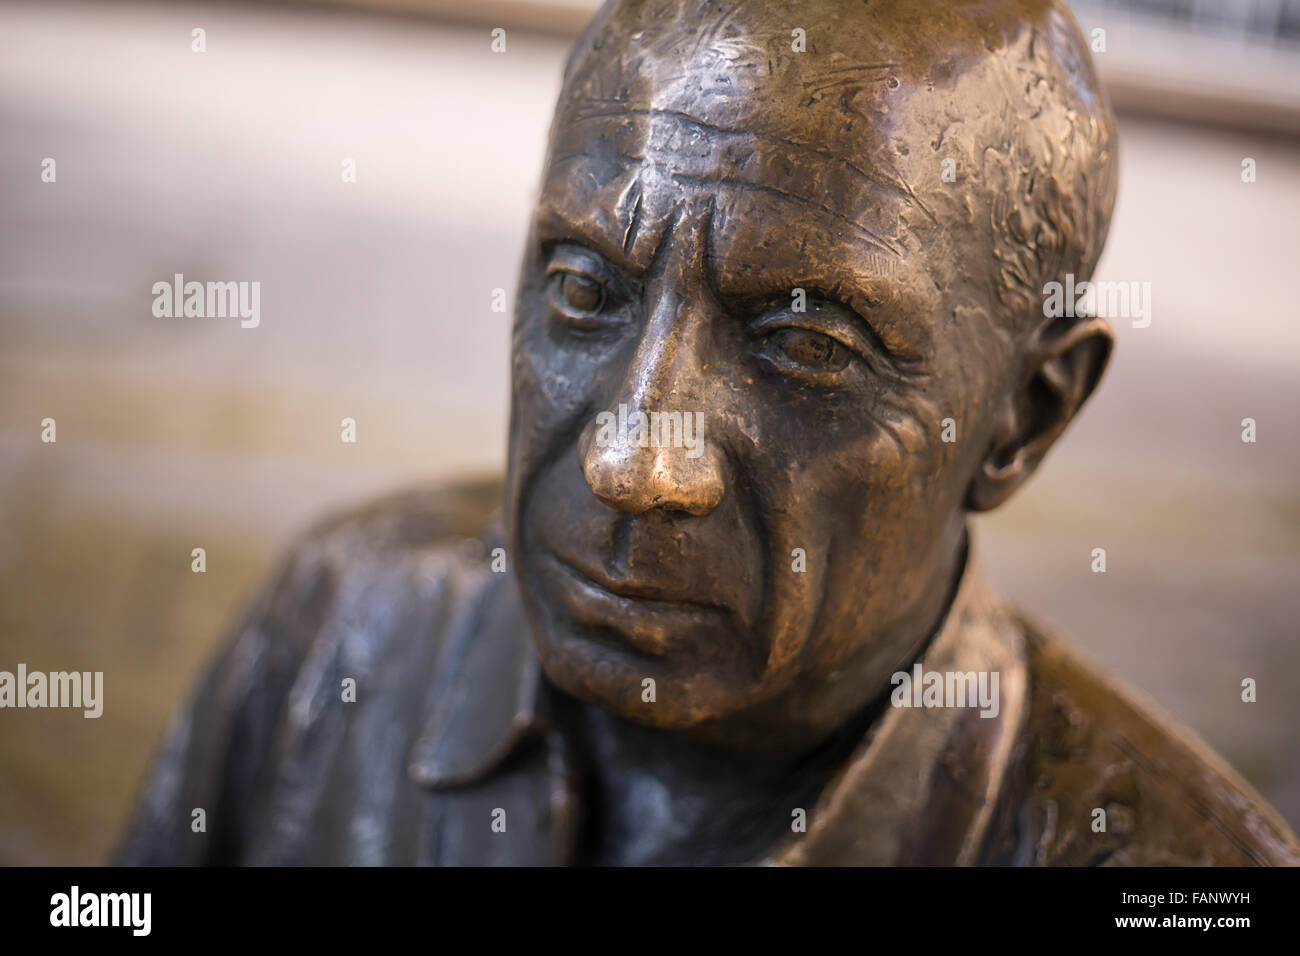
{"x": 577, "y": 294}
{"x": 810, "y": 349}
{"x": 806, "y": 350}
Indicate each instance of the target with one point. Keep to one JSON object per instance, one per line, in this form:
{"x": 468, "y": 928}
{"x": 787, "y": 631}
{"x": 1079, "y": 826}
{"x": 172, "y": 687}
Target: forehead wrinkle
{"x": 629, "y": 208}
{"x": 879, "y": 242}
{"x": 850, "y": 77}
{"x": 658, "y": 147}
{"x": 714, "y": 26}
{"x": 629, "y": 205}
{"x": 621, "y": 216}
{"x": 893, "y": 183}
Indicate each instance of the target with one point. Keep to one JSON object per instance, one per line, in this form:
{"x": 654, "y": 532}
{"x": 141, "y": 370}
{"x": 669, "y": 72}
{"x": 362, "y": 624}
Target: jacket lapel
{"x": 499, "y": 771}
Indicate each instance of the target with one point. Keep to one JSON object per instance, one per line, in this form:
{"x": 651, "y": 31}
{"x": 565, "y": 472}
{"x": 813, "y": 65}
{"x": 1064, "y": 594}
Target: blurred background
{"x": 177, "y": 434}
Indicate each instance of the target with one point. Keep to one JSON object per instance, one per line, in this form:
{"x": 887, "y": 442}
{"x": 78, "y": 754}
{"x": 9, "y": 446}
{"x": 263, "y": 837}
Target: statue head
{"x": 780, "y": 327}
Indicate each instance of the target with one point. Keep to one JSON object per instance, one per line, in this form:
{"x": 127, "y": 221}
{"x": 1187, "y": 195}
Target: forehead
{"x": 665, "y": 102}
{"x": 625, "y": 172}
{"x": 620, "y": 171}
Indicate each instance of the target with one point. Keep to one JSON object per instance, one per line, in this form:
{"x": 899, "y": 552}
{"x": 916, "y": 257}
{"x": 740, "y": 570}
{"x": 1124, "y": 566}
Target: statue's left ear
{"x": 1066, "y": 359}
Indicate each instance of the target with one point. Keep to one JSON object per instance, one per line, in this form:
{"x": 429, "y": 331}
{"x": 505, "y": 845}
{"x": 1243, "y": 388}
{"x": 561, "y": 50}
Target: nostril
{"x": 613, "y": 478}
{"x": 700, "y": 492}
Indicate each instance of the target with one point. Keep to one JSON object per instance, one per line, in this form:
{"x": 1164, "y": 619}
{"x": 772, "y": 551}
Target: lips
{"x": 647, "y": 617}
{"x": 627, "y": 588}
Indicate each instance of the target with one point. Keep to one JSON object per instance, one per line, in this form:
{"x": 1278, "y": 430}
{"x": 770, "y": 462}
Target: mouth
{"x": 630, "y": 615}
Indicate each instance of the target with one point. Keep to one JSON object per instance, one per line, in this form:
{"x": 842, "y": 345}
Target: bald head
{"x": 975, "y": 131}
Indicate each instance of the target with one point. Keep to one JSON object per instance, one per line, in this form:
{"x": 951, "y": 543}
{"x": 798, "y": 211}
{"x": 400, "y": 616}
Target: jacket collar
{"x": 487, "y": 687}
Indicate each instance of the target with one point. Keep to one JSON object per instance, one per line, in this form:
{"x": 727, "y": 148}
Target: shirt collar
{"x": 922, "y": 786}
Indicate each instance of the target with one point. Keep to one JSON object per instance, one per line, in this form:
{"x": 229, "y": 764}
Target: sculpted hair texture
{"x": 1052, "y": 180}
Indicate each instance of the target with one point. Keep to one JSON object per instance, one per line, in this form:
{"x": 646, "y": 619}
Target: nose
{"x": 652, "y": 448}
{"x": 631, "y": 475}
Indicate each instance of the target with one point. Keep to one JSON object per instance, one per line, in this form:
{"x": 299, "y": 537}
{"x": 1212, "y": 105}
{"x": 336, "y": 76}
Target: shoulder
{"x": 1090, "y": 744}
{"x": 397, "y": 531}
{"x": 367, "y": 595}
{"x": 371, "y": 577}
{"x": 394, "y": 552}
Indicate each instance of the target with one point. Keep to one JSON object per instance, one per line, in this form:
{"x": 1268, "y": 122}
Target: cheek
{"x": 880, "y": 500}
{"x": 553, "y": 389}
{"x": 548, "y": 403}
{"x": 855, "y": 473}
{"x": 897, "y": 456}
{"x": 549, "y": 382}
{"x": 853, "y": 492}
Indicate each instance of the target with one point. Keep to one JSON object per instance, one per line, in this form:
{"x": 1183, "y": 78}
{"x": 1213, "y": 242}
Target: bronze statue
{"x": 780, "y": 329}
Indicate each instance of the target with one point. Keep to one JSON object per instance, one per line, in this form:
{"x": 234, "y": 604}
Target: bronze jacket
{"x": 450, "y": 725}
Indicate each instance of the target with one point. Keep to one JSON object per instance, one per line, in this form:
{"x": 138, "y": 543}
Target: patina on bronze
{"x": 816, "y": 234}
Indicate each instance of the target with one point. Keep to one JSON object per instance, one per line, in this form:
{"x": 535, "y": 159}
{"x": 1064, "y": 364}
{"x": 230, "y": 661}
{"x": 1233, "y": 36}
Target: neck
{"x": 660, "y": 796}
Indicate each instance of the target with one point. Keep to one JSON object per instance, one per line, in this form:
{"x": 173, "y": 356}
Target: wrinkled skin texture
{"x": 699, "y": 171}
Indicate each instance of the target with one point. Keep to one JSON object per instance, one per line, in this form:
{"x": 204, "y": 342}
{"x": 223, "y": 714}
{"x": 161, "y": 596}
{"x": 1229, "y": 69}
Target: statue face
{"x": 717, "y": 238}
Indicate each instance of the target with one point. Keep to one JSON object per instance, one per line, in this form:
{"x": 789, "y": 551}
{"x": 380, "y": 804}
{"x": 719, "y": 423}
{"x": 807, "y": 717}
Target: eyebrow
{"x": 555, "y": 225}
{"x": 873, "y": 304}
